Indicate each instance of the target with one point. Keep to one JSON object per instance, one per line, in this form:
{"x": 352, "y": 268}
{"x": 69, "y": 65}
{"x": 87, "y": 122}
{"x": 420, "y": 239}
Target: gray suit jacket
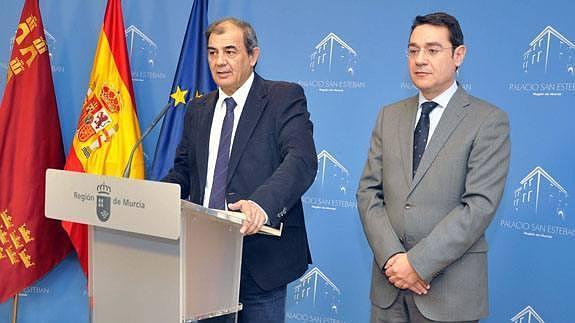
{"x": 439, "y": 217}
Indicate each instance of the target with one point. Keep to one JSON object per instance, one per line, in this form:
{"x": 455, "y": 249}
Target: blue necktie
{"x": 218, "y": 193}
{"x": 421, "y": 132}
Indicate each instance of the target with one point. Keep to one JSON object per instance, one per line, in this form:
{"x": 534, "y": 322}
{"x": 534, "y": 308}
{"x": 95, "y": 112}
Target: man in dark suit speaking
{"x": 248, "y": 147}
{"x": 434, "y": 177}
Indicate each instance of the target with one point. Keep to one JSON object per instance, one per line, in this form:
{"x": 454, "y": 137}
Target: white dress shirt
{"x": 442, "y": 100}
{"x": 240, "y": 96}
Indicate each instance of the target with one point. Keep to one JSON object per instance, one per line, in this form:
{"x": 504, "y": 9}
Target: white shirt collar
{"x": 442, "y": 99}
{"x": 241, "y": 94}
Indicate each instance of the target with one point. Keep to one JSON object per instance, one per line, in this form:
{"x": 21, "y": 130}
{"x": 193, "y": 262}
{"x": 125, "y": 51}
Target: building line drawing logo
{"x": 331, "y": 50}
{"x": 540, "y": 192}
{"x": 329, "y": 190}
{"x": 143, "y": 53}
{"x": 539, "y": 208}
{"x": 132, "y": 34}
{"x": 316, "y": 288}
{"x": 51, "y": 41}
{"x": 527, "y": 315}
{"x": 332, "y": 66}
{"x": 551, "y": 50}
{"x": 323, "y": 159}
{"x": 548, "y": 65}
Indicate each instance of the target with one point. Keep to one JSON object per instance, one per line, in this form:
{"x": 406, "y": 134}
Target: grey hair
{"x": 250, "y": 38}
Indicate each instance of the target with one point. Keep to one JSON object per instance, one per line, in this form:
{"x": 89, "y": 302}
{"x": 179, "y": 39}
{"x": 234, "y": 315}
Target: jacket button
{"x": 407, "y": 206}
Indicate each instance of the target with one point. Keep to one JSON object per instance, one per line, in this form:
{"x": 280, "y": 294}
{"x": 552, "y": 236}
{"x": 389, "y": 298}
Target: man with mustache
{"x": 433, "y": 180}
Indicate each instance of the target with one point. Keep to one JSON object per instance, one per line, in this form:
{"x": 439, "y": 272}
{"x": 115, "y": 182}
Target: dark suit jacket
{"x": 273, "y": 162}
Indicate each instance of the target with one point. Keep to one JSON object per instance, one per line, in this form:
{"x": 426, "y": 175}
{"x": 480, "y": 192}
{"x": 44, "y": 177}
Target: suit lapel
{"x": 207, "y": 106}
{"x": 405, "y": 128}
{"x": 452, "y": 116}
{"x": 253, "y": 108}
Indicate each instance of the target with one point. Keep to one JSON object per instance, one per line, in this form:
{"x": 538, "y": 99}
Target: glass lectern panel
{"x": 134, "y": 278}
{"x": 211, "y": 265}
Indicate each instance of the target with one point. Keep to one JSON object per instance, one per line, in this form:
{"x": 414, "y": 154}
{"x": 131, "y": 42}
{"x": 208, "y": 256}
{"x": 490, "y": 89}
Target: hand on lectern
{"x": 255, "y": 216}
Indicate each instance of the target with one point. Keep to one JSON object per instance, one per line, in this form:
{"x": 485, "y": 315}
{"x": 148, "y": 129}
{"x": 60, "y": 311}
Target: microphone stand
{"x": 128, "y": 168}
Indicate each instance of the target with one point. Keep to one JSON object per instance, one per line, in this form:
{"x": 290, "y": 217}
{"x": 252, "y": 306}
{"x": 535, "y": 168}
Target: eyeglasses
{"x": 412, "y": 52}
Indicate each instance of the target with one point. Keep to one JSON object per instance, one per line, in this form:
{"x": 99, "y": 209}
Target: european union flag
{"x": 192, "y": 78}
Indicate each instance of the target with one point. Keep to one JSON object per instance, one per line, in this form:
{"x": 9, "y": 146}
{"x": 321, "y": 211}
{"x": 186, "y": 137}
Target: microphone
{"x": 128, "y": 168}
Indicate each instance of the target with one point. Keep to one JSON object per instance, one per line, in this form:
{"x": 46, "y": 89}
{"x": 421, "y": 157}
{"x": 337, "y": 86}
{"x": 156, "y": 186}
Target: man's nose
{"x": 420, "y": 58}
{"x": 220, "y": 59}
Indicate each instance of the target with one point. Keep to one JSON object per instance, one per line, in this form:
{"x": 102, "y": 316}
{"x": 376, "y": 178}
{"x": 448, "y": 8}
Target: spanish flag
{"x": 30, "y": 142}
{"x": 108, "y": 126}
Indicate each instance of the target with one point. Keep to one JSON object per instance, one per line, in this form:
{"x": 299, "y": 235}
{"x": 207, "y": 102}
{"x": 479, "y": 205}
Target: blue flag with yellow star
{"x": 192, "y": 78}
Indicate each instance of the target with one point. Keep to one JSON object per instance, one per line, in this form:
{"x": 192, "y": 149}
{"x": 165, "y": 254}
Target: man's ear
{"x": 254, "y": 56}
{"x": 459, "y": 54}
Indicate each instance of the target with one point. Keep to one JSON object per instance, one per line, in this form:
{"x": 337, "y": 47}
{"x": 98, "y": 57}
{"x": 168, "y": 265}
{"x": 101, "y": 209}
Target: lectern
{"x": 153, "y": 257}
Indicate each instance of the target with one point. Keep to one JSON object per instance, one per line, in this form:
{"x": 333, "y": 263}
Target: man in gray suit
{"x": 433, "y": 180}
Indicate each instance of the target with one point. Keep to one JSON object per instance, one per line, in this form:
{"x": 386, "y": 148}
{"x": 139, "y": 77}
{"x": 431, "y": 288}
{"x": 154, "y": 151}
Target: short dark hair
{"x": 444, "y": 20}
{"x": 250, "y": 38}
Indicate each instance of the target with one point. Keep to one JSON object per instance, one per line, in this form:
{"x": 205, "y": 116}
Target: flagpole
{"x": 15, "y": 309}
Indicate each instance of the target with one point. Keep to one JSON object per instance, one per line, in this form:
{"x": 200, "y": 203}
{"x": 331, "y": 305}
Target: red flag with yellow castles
{"x": 108, "y": 126}
{"x": 30, "y": 142}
